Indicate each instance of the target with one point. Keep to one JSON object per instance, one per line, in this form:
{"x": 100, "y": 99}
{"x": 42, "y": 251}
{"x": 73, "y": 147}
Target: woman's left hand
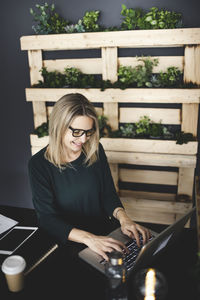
{"x": 132, "y": 230}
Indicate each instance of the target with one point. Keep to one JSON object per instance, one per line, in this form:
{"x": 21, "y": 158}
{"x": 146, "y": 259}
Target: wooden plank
{"x": 148, "y": 176}
{"x": 39, "y": 142}
{"x": 124, "y": 39}
{"x": 192, "y": 64}
{"x": 99, "y": 110}
{"x": 157, "y": 115}
{"x": 158, "y": 206}
{"x": 150, "y": 216}
{"x": 94, "y": 65}
{"x": 85, "y": 65}
{"x": 190, "y": 124}
{"x": 148, "y": 146}
{"x": 186, "y": 181}
{"x": 35, "y": 65}
{"x": 115, "y": 175}
{"x": 175, "y": 160}
{"x": 147, "y": 195}
{"x": 109, "y": 72}
{"x": 34, "y": 150}
{"x": 197, "y": 203}
{"x": 39, "y": 113}
{"x": 109, "y": 63}
{"x": 152, "y": 159}
{"x": 145, "y": 95}
{"x": 110, "y": 110}
{"x": 153, "y": 211}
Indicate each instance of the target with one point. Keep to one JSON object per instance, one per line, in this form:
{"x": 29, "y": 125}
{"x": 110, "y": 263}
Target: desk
{"x": 60, "y": 278}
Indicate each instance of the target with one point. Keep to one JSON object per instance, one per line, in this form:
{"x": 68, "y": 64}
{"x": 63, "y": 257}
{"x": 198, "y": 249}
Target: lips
{"x": 77, "y": 144}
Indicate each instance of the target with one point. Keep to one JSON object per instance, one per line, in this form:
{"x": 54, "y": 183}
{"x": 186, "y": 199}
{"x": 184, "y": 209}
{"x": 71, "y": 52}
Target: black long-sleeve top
{"x": 83, "y": 196}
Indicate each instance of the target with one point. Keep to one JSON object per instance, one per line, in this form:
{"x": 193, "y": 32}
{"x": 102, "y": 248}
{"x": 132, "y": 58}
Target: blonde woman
{"x": 72, "y": 187}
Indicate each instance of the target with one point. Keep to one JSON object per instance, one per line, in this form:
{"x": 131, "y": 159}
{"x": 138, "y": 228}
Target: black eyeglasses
{"x": 80, "y": 132}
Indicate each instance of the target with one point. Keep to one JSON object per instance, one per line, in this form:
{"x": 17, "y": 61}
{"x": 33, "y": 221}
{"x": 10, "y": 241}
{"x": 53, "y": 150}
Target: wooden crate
{"x": 155, "y": 207}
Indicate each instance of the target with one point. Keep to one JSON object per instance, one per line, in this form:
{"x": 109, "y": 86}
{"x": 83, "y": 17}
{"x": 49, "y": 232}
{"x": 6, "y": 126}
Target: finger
{"x": 136, "y": 236}
{"x": 122, "y": 245}
{"x": 103, "y": 254}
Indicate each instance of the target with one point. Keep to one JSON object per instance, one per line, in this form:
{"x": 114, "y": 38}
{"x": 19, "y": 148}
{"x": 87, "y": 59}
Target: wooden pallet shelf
{"x": 138, "y": 161}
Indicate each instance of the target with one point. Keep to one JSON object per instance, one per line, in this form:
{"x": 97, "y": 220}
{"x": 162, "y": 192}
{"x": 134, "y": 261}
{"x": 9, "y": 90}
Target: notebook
{"x": 147, "y": 253}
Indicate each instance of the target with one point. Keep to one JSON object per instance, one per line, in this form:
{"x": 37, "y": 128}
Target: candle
{"x": 150, "y": 283}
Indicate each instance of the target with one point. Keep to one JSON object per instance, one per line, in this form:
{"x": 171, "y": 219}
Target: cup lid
{"x": 13, "y": 264}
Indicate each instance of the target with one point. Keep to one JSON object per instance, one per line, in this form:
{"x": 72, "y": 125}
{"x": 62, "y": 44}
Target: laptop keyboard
{"x": 130, "y": 258}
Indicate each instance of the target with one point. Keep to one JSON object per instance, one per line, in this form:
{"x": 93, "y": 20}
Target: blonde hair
{"x": 65, "y": 110}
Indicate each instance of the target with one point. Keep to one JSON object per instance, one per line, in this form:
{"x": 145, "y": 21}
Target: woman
{"x": 73, "y": 191}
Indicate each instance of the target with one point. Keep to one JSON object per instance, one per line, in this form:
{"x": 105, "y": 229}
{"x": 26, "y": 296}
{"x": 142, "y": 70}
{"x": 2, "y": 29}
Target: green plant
{"x": 72, "y": 76}
{"x": 48, "y": 20}
{"x": 156, "y": 130}
{"x": 42, "y": 130}
{"x": 130, "y": 17}
{"x": 52, "y": 79}
{"x": 139, "y": 75}
{"x": 90, "y": 20}
{"x": 143, "y": 126}
{"x": 104, "y": 128}
{"x": 73, "y": 28}
{"x": 172, "y": 78}
{"x": 183, "y": 137}
{"x": 127, "y": 130}
{"x": 160, "y": 19}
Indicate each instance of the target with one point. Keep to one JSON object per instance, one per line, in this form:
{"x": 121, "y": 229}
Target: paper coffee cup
{"x": 13, "y": 268}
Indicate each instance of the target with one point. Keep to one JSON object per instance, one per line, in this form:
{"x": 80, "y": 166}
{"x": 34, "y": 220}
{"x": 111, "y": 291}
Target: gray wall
{"x": 16, "y": 114}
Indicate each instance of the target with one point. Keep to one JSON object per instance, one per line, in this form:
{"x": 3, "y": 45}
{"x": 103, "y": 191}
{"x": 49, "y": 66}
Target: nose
{"x": 83, "y": 138}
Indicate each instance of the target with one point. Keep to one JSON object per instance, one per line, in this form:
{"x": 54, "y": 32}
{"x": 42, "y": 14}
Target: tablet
{"x": 12, "y": 240}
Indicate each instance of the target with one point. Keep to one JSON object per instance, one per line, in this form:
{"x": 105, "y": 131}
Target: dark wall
{"x": 16, "y": 114}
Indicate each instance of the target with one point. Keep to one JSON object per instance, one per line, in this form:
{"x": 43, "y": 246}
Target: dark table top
{"x": 59, "y": 277}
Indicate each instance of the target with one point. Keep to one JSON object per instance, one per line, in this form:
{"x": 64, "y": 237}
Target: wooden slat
{"x": 192, "y": 64}
{"x": 123, "y": 39}
{"x": 197, "y": 203}
{"x": 148, "y": 176}
{"x": 35, "y": 65}
{"x": 109, "y": 63}
{"x": 137, "y": 158}
{"x": 158, "y": 206}
{"x": 38, "y": 142}
{"x": 148, "y": 146}
{"x": 157, "y": 115}
{"x": 94, "y": 65}
{"x": 109, "y": 72}
{"x": 99, "y": 110}
{"x": 190, "y": 114}
{"x": 186, "y": 181}
{"x": 156, "y": 212}
{"x": 191, "y": 74}
{"x": 147, "y": 195}
{"x": 118, "y": 95}
{"x": 114, "y": 171}
{"x": 85, "y": 65}
{"x": 137, "y": 146}
{"x": 147, "y": 216}
{"x": 152, "y": 159}
{"x": 39, "y": 113}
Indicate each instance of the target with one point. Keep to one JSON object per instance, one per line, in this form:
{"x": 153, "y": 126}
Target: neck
{"x": 71, "y": 156}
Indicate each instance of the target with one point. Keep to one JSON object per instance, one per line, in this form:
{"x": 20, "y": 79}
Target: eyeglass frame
{"x": 83, "y": 131}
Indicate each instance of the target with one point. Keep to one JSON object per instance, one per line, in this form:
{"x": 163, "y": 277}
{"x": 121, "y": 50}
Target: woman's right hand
{"x": 104, "y": 244}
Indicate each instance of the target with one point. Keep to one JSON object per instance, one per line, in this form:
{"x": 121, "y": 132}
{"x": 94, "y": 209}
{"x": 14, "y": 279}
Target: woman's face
{"x": 74, "y": 144}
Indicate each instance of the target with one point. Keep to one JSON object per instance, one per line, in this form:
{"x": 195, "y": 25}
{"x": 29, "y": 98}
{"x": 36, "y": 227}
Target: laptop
{"x": 141, "y": 256}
